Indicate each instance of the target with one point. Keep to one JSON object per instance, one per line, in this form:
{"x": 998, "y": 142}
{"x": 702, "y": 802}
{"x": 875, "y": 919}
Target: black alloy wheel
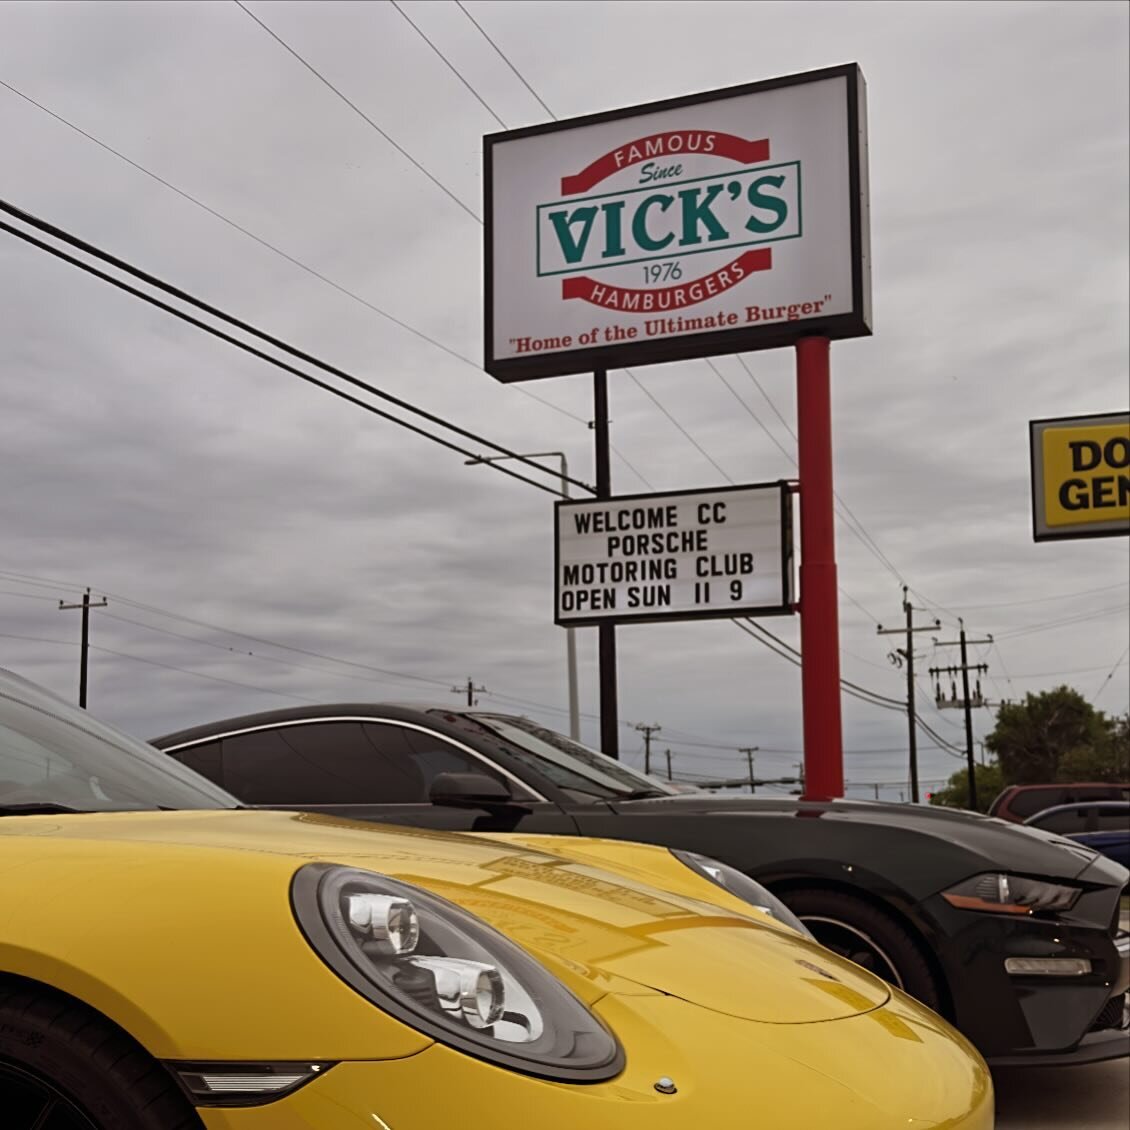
{"x": 65, "y": 1067}
{"x": 33, "y": 1103}
{"x": 873, "y": 939}
{"x": 855, "y": 945}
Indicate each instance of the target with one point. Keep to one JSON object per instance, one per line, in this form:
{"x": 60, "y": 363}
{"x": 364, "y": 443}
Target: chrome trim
{"x": 533, "y": 793}
{"x": 866, "y": 938}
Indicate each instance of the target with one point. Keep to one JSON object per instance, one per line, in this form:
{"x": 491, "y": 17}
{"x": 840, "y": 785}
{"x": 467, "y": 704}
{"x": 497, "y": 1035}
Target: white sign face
{"x": 683, "y": 555}
{"x": 728, "y": 221}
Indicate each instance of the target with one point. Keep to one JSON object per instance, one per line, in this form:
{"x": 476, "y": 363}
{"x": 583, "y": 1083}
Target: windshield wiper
{"x": 36, "y": 808}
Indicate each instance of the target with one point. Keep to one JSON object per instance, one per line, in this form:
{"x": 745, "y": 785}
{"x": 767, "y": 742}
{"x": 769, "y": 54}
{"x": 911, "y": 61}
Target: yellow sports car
{"x": 170, "y": 962}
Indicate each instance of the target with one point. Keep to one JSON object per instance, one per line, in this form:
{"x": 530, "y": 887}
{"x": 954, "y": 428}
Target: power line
{"x": 404, "y": 152}
{"x": 356, "y": 109}
{"x": 503, "y": 57}
{"x": 872, "y": 698}
{"x": 1118, "y": 663}
{"x": 698, "y": 446}
{"x": 447, "y": 62}
{"x": 120, "y": 264}
{"x": 288, "y": 663}
{"x": 157, "y": 663}
{"x": 153, "y": 609}
{"x": 239, "y": 227}
{"x": 1053, "y": 625}
{"x": 268, "y": 245}
{"x": 847, "y": 516}
{"x": 264, "y": 356}
{"x": 1043, "y": 599}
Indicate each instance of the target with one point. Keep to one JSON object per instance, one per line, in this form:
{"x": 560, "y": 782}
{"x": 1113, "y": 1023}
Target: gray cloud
{"x": 141, "y": 456}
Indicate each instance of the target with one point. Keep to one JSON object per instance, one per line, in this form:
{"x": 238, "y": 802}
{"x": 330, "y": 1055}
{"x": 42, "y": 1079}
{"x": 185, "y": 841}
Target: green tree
{"x": 1048, "y": 735}
{"x": 1108, "y": 760}
{"x": 956, "y": 792}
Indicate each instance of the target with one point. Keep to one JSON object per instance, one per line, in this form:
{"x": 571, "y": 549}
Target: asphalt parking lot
{"x": 1095, "y": 1097}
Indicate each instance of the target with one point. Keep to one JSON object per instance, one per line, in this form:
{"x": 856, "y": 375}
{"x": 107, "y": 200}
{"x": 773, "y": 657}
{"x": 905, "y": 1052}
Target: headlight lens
{"x": 440, "y": 969}
{"x": 743, "y": 887}
{"x": 1011, "y": 894}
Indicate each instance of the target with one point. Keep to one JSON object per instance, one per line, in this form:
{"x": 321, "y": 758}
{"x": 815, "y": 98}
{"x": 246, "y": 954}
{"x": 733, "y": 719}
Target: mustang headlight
{"x": 743, "y": 887}
{"x": 440, "y": 969}
{"x": 1011, "y": 894}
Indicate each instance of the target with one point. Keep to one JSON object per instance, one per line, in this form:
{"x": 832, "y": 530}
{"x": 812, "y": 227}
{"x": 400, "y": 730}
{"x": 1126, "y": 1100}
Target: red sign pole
{"x": 819, "y": 608}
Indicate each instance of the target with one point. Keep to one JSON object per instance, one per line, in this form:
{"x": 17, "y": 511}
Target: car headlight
{"x": 743, "y": 887}
{"x": 448, "y": 974}
{"x": 1011, "y": 894}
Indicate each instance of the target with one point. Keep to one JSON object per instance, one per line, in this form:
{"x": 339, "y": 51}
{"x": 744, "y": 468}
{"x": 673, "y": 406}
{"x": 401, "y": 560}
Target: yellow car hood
{"x": 604, "y": 917}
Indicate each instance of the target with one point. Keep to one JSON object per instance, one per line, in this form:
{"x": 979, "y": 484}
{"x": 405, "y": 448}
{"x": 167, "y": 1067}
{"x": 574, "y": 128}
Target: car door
{"x": 1072, "y": 820}
{"x": 1111, "y": 832}
{"x": 379, "y": 770}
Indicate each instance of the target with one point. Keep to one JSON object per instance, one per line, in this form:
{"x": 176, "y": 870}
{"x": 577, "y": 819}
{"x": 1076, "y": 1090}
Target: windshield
{"x": 570, "y": 765}
{"x": 52, "y": 753}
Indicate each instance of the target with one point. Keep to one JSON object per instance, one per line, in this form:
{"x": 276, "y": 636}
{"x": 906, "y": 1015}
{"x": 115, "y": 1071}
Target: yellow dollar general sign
{"x": 1080, "y": 476}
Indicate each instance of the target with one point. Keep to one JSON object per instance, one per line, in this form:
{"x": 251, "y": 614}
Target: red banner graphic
{"x": 651, "y": 301}
{"x": 674, "y": 143}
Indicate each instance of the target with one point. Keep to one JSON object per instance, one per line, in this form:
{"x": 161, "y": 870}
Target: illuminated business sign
{"x": 681, "y": 555}
{"x": 716, "y": 223}
{"x": 1080, "y": 476}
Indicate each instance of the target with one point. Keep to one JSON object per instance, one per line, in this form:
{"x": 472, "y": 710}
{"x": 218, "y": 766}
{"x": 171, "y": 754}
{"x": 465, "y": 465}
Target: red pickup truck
{"x": 1018, "y": 802}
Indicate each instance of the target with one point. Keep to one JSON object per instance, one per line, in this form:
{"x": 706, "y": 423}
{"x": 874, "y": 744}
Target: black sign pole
{"x": 609, "y": 710}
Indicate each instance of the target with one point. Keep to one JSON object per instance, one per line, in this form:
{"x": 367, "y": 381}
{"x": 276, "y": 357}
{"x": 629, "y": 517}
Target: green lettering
{"x": 773, "y": 204}
{"x": 573, "y": 249}
{"x": 613, "y": 236}
{"x": 639, "y": 223}
{"x": 696, "y": 212}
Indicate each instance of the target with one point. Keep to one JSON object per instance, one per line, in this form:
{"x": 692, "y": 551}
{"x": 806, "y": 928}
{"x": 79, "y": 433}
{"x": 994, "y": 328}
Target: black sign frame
{"x": 1040, "y": 532}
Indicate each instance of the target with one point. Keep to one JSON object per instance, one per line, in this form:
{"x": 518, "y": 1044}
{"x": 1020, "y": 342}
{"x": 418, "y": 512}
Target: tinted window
{"x": 1113, "y": 820}
{"x": 1028, "y": 802}
{"x": 340, "y": 763}
{"x": 52, "y": 752}
{"x": 205, "y": 759}
{"x": 1094, "y": 792}
{"x": 1066, "y": 822}
{"x": 568, "y": 764}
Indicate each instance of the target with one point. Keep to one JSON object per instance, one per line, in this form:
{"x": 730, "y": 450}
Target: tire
{"x": 855, "y": 929}
{"x": 64, "y": 1067}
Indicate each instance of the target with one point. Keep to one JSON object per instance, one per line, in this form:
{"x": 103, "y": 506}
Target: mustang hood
{"x": 601, "y": 928}
{"x": 989, "y": 843}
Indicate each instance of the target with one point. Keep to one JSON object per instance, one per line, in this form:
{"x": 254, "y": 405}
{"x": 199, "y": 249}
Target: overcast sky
{"x": 163, "y": 468}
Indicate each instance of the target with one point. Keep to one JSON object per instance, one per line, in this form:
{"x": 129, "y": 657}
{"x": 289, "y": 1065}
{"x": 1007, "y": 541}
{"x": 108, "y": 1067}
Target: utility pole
{"x": 471, "y": 690}
{"x": 86, "y": 606}
{"x": 907, "y": 653}
{"x": 800, "y": 777}
{"x": 749, "y": 751}
{"x": 967, "y": 701}
{"x": 668, "y": 753}
{"x": 647, "y": 731}
{"x": 606, "y": 633}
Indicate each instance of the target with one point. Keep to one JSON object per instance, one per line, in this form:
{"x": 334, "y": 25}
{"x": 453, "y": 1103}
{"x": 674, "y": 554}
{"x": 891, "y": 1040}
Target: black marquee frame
{"x": 786, "y": 608}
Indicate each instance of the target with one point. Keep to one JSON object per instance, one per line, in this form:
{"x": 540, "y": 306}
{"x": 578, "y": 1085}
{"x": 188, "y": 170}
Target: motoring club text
{"x": 645, "y": 549}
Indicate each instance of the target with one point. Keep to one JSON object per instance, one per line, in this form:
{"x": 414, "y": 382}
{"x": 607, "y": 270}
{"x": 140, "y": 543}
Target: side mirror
{"x": 469, "y": 790}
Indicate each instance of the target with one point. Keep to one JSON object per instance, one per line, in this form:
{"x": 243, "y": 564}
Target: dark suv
{"x": 1018, "y": 802}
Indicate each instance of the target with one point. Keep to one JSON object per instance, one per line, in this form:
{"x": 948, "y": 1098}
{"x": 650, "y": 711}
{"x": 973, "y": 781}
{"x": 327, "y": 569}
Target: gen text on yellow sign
{"x": 1082, "y": 475}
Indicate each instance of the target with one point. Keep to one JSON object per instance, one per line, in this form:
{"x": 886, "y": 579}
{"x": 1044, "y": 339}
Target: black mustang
{"x": 1009, "y": 932}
